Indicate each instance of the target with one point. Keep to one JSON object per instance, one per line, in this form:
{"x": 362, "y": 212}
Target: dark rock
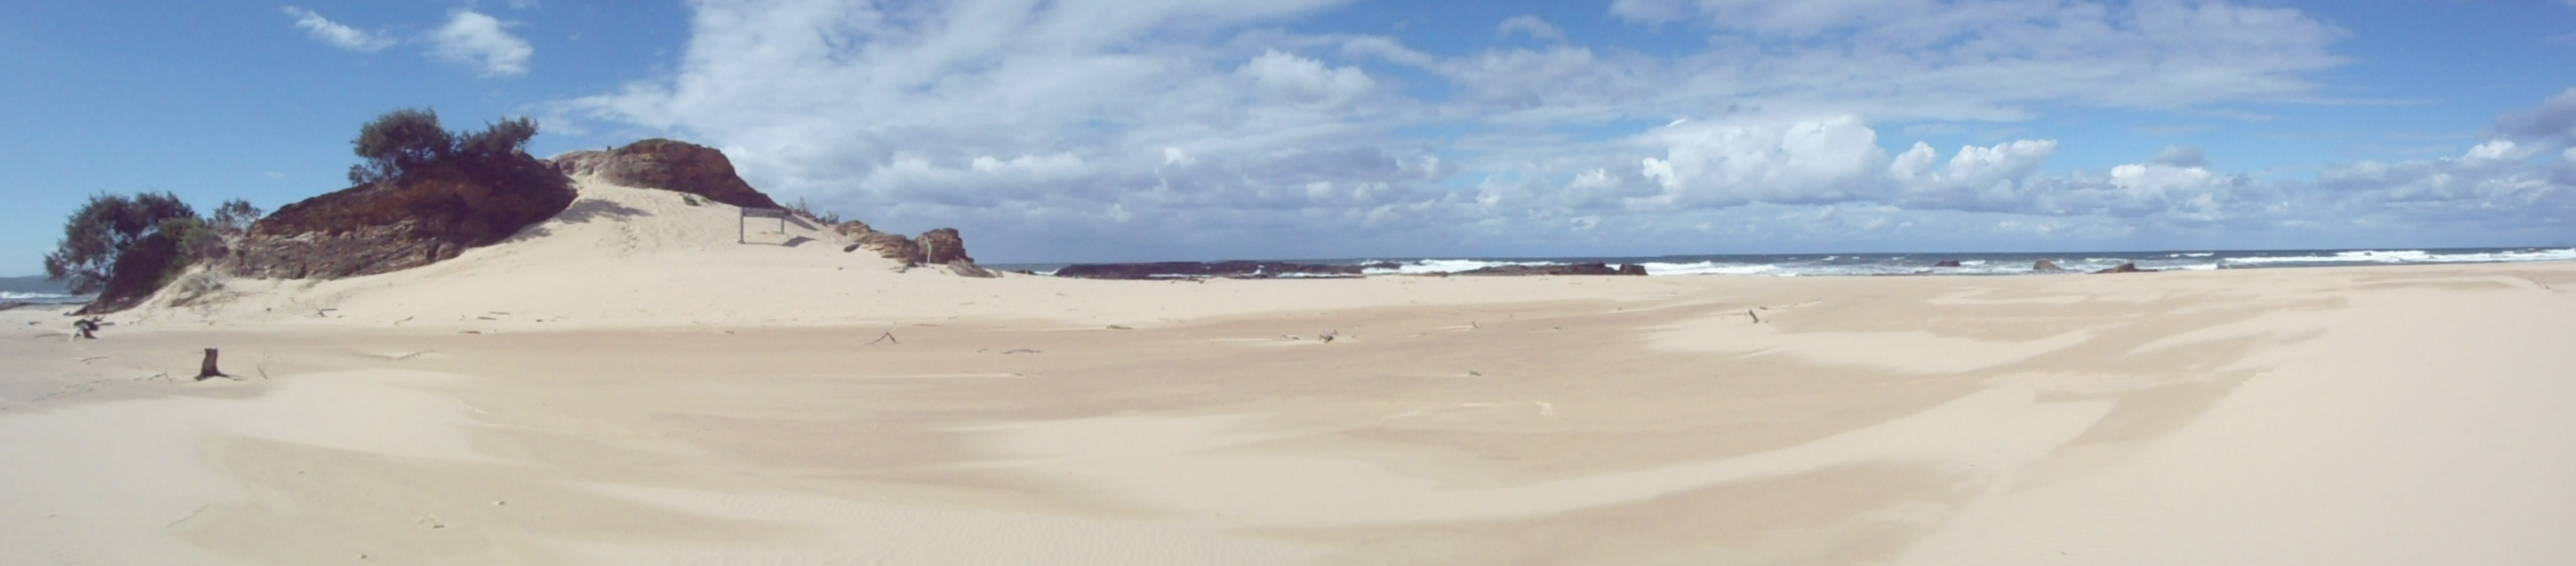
{"x": 394, "y": 225}
{"x": 889, "y": 246}
{"x": 941, "y": 246}
{"x": 2124, "y": 268}
{"x": 2046, "y": 265}
{"x": 967, "y": 268}
{"x": 669, "y": 165}
{"x": 1632, "y": 269}
{"x": 936, "y": 247}
{"x": 1594, "y": 268}
{"x": 1180, "y": 269}
{"x": 1947, "y": 263}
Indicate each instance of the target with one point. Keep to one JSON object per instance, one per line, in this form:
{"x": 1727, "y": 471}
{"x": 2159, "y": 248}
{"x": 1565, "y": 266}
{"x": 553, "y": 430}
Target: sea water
{"x": 1845, "y": 264}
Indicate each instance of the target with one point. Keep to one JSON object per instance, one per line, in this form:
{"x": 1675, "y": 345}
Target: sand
{"x": 627, "y": 384}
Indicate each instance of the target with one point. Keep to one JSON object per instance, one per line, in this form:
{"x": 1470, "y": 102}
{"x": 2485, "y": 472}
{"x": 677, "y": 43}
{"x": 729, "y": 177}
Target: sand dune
{"x": 627, "y": 384}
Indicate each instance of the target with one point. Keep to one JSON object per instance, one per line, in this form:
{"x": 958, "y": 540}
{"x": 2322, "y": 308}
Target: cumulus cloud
{"x": 1305, "y": 79}
{"x": 338, "y": 34}
{"x": 1976, "y": 178}
{"x": 1532, "y": 26}
{"x": 476, "y": 40}
{"x": 1810, "y": 161}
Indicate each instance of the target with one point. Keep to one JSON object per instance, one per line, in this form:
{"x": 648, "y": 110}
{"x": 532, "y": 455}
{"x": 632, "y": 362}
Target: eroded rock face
{"x": 383, "y": 227}
{"x": 2124, "y": 268}
{"x": 943, "y": 246}
{"x": 889, "y": 246}
{"x": 965, "y": 268}
{"x": 936, "y": 247}
{"x": 669, "y": 165}
{"x": 2046, "y": 265}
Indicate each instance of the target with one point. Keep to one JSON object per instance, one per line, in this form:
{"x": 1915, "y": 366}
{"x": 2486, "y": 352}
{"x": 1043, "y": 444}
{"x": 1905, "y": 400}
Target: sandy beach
{"x": 627, "y": 384}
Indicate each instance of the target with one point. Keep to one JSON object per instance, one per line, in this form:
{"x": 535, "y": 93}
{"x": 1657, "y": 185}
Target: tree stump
{"x": 206, "y": 369}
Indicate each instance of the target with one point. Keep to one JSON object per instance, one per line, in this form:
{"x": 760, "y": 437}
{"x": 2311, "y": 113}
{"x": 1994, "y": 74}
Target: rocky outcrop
{"x": 936, "y": 247}
{"x": 889, "y": 246}
{"x": 1946, "y": 263}
{"x": 669, "y": 165}
{"x": 394, "y": 225}
{"x": 967, "y": 268}
{"x": 2124, "y": 268}
{"x": 942, "y": 246}
{"x": 2046, "y": 265}
{"x": 1193, "y": 269}
{"x": 1595, "y": 268}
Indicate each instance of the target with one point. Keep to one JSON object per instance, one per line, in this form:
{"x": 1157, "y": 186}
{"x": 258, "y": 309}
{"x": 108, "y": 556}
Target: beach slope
{"x": 626, "y": 383}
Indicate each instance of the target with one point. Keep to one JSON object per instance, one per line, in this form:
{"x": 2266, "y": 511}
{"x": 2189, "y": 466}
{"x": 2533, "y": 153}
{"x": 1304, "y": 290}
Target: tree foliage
{"x": 400, "y": 142}
{"x": 234, "y": 217}
{"x": 102, "y": 231}
{"x": 497, "y": 141}
{"x": 410, "y": 142}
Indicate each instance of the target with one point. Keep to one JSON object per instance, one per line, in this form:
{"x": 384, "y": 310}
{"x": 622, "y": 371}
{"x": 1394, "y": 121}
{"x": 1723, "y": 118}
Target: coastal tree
{"x": 234, "y": 217}
{"x": 399, "y": 142}
{"x": 410, "y": 143}
{"x": 100, "y": 233}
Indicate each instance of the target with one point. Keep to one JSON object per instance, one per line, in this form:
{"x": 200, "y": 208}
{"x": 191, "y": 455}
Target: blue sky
{"x": 1088, "y": 130}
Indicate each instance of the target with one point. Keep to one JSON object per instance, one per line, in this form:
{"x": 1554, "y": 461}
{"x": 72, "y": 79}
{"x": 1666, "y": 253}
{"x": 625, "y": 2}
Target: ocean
{"x": 44, "y": 298}
{"x": 1969, "y": 264}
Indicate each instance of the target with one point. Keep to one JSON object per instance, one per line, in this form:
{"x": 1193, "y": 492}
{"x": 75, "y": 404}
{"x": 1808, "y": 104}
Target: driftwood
{"x": 888, "y": 337}
{"x": 1757, "y": 319}
{"x": 206, "y": 369}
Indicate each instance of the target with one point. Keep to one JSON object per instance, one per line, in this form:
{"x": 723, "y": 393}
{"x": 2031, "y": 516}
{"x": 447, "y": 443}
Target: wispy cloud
{"x": 338, "y": 34}
{"x": 476, "y": 40}
{"x": 1531, "y": 25}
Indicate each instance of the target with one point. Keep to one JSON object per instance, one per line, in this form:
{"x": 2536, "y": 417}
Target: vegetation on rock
{"x": 423, "y": 195}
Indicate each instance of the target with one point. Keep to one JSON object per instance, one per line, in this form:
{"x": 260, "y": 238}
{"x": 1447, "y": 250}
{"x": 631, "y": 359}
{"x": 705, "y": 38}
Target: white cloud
{"x": 337, "y": 34}
{"x": 482, "y": 42}
{"x": 1531, "y": 25}
{"x": 1715, "y": 165}
{"x": 1305, "y": 79}
{"x": 1977, "y": 178}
